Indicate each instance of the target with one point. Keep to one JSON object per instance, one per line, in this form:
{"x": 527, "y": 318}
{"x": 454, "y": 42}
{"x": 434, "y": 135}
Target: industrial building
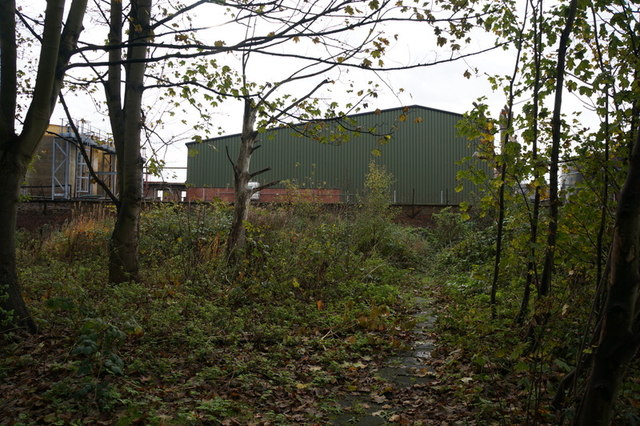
{"x": 417, "y": 145}
{"x": 59, "y": 170}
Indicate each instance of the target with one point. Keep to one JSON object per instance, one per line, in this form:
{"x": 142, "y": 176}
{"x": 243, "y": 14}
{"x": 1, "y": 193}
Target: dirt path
{"x": 403, "y": 375}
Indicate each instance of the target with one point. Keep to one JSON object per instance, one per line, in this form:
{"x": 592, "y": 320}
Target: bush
{"x": 188, "y": 239}
{"x": 311, "y": 285}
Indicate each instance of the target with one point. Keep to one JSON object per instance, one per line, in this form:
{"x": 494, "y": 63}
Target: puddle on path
{"x": 406, "y": 369}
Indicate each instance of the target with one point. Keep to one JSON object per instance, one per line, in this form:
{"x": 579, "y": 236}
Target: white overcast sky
{"x": 441, "y": 86}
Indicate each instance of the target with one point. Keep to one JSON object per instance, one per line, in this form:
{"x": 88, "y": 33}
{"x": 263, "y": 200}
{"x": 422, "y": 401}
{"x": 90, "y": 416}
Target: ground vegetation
{"x": 313, "y": 304}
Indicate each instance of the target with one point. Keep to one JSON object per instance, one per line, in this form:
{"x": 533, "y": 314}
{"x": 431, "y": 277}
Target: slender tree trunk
{"x": 500, "y": 231}
{"x": 506, "y": 120}
{"x": 620, "y": 332}
{"x": 13, "y": 311}
{"x": 532, "y": 268}
{"x": 242, "y": 177}
{"x": 556, "y": 130}
{"x": 604, "y": 210}
{"x": 541, "y": 315}
{"x": 123, "y": 259}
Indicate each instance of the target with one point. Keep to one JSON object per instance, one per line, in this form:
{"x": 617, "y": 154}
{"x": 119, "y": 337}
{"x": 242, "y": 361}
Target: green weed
{"x": 197, "y": 340}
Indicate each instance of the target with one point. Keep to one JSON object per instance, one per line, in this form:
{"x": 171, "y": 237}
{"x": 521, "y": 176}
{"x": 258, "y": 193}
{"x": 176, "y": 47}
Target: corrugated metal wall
{"x": 421, "y": 154}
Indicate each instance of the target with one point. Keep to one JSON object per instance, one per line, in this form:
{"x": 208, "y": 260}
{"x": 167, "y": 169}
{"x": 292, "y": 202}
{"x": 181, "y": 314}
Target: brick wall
{"x": 269, "y": 195}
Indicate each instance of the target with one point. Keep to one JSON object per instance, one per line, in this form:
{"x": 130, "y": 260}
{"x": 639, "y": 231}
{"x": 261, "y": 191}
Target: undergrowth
{"x": 490, "y": 364}
{"x": 317, "y": 300}
{"x": 272, "y": 338}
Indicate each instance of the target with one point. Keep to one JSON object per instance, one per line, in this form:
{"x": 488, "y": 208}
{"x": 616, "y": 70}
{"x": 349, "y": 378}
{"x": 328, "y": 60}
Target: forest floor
{"x": 380, "y": 375}
{"x": 328, "y": 319}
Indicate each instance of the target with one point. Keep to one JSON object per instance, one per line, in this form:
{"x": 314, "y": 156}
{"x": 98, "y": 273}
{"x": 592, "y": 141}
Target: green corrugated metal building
{"x": 421, "y": 153}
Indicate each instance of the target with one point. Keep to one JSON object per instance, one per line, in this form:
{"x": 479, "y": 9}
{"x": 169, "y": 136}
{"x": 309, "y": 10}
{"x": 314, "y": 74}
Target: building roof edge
{"x": 350, "y": 115}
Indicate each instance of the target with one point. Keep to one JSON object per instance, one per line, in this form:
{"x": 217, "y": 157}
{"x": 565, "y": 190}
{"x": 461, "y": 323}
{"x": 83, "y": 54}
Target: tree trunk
{"x": 242, "y": 177}
{"x": 532, "y": 267}
{"x": 506, "y": 119}
{"x": 604, "y": 212}
{"x": 17, "y": 150}
{"x": 500, "y": 225}
{"x": 620, "y": 332}
{"x": 541, "y": 316}
{"x": 556, "y": 133}
{"x": 13, "y": 311}
{"x": 123, "y": 253}
{"x": 113, "y": 88}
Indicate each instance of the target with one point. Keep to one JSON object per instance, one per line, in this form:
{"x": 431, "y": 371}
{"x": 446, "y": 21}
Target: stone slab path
{"x": 407, "y": 369}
